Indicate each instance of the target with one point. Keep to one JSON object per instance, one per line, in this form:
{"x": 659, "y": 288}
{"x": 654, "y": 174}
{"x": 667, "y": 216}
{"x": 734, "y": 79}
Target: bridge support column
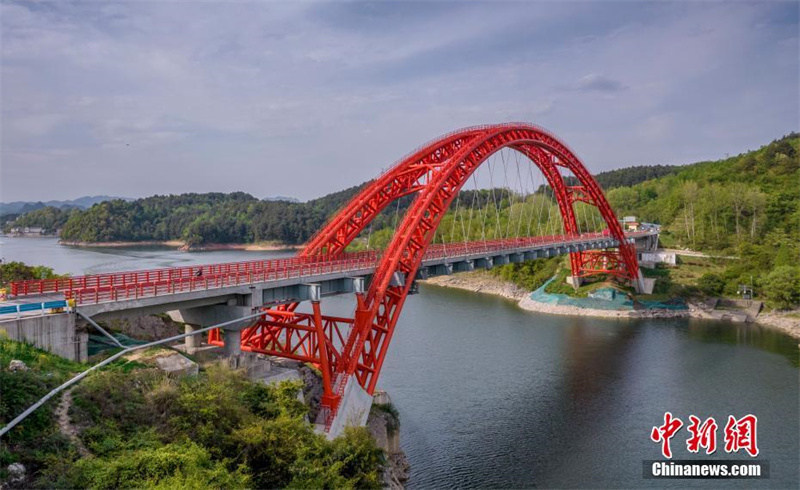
{"x": 233, "y": 342}
{"x": 192, "y": 342}
{"x": 329, "y": 398}
{"x": 204, "y": 316}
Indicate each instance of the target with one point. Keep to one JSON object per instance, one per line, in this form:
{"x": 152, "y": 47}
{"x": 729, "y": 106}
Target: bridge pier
{"x": 205, "y": 316}
{"x": 192, "y": 342}
{"x": 233, "y": 341}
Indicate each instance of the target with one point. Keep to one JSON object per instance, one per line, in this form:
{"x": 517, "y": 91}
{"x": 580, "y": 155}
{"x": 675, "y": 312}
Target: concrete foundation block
{"x": 177, "y": 365}
{"x": 648, "y": 284}
{"x": 574, "y": 281}
{"x": 257, "y": 366}
{"x": 353, "y": 409}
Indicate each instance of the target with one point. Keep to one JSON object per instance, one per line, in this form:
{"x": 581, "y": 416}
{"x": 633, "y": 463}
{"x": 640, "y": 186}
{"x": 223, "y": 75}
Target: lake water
{"x": 490, "y": 395}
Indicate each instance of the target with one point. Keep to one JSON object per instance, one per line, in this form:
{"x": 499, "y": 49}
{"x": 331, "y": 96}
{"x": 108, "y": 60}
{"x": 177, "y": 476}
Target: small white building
{"x": 630, "y": 223}
{"x": 649, "y": 259}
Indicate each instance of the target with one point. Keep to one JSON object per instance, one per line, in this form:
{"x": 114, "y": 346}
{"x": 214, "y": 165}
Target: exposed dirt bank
{"x": 180, "y": 245}
{"x": 483, "y": 282}
{"x": 250, "y": 247}
{"x": 147, "y": 327}
{"x": 479, "y": 282}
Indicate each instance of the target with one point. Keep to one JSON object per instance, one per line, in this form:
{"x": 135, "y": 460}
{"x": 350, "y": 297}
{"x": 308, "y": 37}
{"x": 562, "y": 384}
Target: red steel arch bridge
{"x": 350, "y": 351}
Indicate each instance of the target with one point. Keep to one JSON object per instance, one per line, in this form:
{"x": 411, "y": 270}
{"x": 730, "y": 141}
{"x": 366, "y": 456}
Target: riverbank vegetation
{"x": 141, "y": 428}
{"x": 50, "y": 219}
{"x": 19, "y": 271}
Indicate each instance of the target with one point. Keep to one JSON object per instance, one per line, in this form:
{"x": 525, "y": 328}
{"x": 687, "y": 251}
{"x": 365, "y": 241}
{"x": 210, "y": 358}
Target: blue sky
{"x": 302, "y": 98}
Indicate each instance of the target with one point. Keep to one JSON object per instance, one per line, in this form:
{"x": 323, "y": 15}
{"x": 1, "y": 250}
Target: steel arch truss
{"x": 345, "y": 348}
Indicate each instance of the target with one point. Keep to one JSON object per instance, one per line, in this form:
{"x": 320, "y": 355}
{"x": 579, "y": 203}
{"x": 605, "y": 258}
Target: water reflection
{"x": 751, "y": 335}
{"x": 595, "y": 352}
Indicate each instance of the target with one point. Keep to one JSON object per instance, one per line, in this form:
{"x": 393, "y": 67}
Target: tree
{"x": 689, "y": 193}
{"x": 782, "y": 286}
{"x": 19, "y": 271}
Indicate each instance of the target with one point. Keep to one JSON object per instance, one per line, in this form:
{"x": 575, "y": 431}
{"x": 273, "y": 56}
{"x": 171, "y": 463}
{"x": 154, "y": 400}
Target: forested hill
{"x": 197, "y": 219}
{"x": 748, "y": 199}
{"x": 746, "y": 206}
{"x": 633, "y": 175}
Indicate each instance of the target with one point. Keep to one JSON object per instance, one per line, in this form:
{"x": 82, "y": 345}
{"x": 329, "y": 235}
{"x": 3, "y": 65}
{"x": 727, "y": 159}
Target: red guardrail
{"x": 99, "y": 288}
{"x": 128, "y": 278}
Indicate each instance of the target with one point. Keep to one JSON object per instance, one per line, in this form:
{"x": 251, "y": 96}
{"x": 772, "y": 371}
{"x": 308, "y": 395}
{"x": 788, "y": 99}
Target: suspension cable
{"x": 508, "y": 193}
{"x": 494, "y": 199}
{"x": 533, "y": 196}
{"x": 521, "y": 195}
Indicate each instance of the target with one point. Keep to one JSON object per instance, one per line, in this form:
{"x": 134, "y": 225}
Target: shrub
{"x": 711, "y": 284}
{"x": 178, "y": 465}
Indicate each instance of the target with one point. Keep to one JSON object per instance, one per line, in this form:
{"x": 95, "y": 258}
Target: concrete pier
{"x": 193, "y": 342}
{"x": 233, "y": 342}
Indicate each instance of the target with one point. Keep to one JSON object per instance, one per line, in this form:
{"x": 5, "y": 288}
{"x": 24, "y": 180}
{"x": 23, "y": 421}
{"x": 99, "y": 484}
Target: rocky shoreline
{"x": 479, "y": 282}
{"x": 483, "y": 282}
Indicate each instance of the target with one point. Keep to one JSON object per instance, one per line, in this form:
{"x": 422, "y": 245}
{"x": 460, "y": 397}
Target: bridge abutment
{"x": 54, "y": 333}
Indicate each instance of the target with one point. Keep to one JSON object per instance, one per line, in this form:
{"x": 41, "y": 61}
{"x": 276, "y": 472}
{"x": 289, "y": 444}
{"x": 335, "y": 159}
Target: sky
{"x": 301, "y": 99}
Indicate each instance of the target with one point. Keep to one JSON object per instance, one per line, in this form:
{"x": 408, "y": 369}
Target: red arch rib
{"x": 375, "y": 319}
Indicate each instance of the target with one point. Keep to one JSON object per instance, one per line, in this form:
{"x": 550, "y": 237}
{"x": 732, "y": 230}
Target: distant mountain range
{"x": 85, "y": 202}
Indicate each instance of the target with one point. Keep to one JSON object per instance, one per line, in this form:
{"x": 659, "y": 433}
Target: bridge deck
{"x": 171, "y": 283}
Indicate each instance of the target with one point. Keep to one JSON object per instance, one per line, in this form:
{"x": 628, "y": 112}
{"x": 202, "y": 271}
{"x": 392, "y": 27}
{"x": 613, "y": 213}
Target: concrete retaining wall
{"x": 53, "y": 333}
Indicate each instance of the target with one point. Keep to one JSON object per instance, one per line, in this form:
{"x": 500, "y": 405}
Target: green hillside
{"x": 748, "y": 199}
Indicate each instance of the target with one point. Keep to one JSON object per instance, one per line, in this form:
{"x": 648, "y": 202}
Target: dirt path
{"x": 694, "y": 253}
{"x": 65, "y": 425}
